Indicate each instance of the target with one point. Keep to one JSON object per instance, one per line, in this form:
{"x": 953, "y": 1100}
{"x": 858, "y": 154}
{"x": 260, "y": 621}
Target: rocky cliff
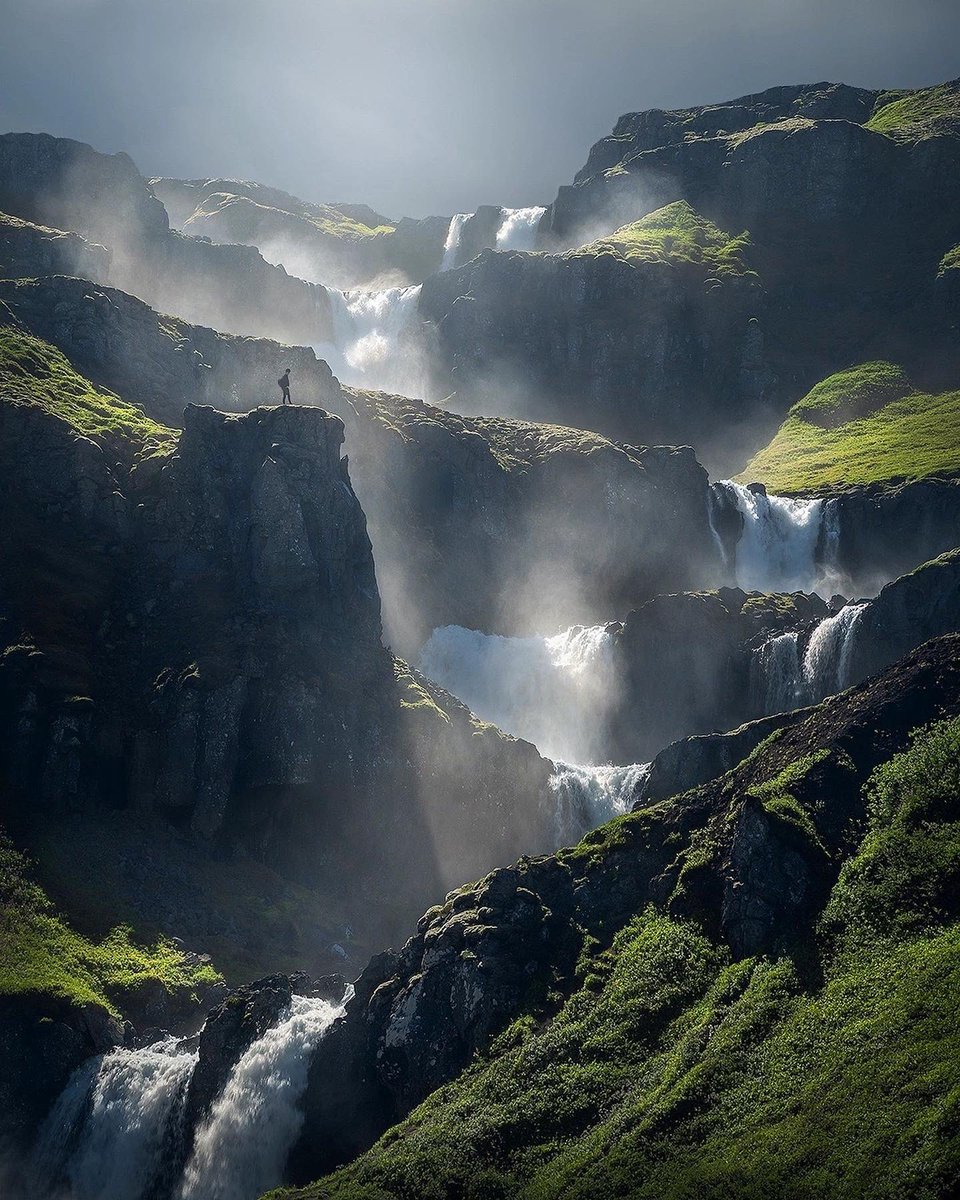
{"x": 69, "y": 186}
{"x": 624, "y": 326}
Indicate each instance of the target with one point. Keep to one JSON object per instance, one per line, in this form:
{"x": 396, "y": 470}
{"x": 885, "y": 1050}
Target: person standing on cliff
{"x": 284, "y": 382}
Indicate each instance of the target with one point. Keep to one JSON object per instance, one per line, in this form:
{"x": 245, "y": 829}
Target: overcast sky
{"x": 425, "y": 106}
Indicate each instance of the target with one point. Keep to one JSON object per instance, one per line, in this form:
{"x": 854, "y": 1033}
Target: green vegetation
{"x": 675, "y": 1073}
{"x": 676, "y": 235}
{"x": 40, "y": 953}
{"x": 949, "y": 262}
{"x": 414, "y": 698}
{"x": 35, "y": 373}
{"x": 918, "y": 115}
{"x": 868, "y": 424}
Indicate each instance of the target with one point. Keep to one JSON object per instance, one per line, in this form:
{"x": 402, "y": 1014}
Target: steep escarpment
{"x": 193, "y": 657}
{"x": 341, "y": 245}
{"x": 468, "y": 516}
{"x": 720, "y": 893}
{"x": 806, "y": 190}
{"x": 69, "y": 186}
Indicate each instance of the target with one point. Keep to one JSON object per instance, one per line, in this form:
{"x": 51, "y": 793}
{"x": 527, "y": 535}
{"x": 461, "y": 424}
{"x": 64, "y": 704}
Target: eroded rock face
{"x": 28, "y": 250}
{"x": 70, "y": 186}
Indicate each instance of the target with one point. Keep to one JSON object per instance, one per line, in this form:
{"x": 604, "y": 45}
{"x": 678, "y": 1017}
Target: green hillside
{"x": 676, "y": 1073}
{"x": 868, "y": 424}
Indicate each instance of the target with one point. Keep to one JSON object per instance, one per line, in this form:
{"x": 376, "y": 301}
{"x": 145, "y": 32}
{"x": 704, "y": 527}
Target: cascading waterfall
{"x": 452, "y": 244}
{"x": 115, "y": 1126}
{"x": 777, "y": 550}
{"x": 518, "y": 228}
{"x": 117, "y": 1130}
{"x": 240, "y": 1150}
{"x": 781, "y": 680}
{"x": 552, "y": 691}
{"x": 374, "y": 340}
{"x": 585, "y": 797}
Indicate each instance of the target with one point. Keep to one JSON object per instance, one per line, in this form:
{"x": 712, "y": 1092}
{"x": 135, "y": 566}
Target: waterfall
{"x": 117, "y": 1130}
{"x": 452, "y": 244}
{"x": 115, "y": 1126}
{"x": 777, "y": 550}
{"x": 518, "y": 228}
{"x": 552, "y": 691}
{"x": 240, "y": 1150}
{"x": 375, "y": 344}
{"x": 826, "y": 661}
{"x": 781, "y": 680}
{"x": 776, "y": 676}
{"x": 585, "y": 797}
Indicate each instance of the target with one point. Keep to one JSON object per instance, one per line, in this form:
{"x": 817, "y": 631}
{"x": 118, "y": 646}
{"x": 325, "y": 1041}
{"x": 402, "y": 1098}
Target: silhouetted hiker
{"x": 284, "y": 382}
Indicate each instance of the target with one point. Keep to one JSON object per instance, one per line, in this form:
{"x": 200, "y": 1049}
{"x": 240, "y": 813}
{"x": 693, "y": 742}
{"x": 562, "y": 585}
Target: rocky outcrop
{"x": 468, "y": 516}
{"x": 342, "y": 245}
{"x": 512, "y": 527}
{"x": 28, "y": 250}
{"x": 196, "y": 641}
{"x": 69, "y": 186}
{"x": 731, "y": 855}
{"x": 43, "y": 1039}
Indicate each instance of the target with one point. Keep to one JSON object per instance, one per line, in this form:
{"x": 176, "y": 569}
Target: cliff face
{"x": 69, "y": 186}
{"x": 842, "y": 222}
{"x": 193, "y": 660}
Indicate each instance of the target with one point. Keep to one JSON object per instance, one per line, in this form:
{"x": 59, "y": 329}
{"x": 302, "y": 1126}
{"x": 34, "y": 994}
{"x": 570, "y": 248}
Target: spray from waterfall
{"x": 116, "y": 1126}
{"x": 518, "y": 228}
{"x": 553, "y": 691}
{"x": 452, "y": 245}
{"x": 585, "y": 797}
{"x": 375, "y": 341}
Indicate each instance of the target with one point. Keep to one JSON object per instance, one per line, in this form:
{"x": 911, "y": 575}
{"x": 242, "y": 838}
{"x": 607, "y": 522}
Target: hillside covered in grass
{"x": 868, "y": 424}
{"x": 675, "y": 1070}
{"x": 34, "y": 373}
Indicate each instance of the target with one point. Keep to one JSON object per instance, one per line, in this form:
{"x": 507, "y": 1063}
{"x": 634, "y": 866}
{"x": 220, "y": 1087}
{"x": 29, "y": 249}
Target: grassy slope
{"x": 676, "y": 235}
{"x": 41, "y": 954}
{"x": 918, "y": 115}
{"x": 36, "y": 373}
{"x": 674, "y": 1072}
{"x": 868, "y": 424}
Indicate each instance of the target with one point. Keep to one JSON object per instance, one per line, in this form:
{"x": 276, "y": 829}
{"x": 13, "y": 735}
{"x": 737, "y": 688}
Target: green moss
{"x": 35, "y": 373}
{"x": 678, "y": 236}
{"x": 949, "y": 262}
{"x": 413, "y": 697}
{"x": 40, "y": 953}
{"x": 919, "y": 115}
{"x": 868, "y": 424}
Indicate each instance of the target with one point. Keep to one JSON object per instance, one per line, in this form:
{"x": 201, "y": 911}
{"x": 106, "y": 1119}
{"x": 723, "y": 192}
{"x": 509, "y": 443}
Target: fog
{"x": 418, "y": 106}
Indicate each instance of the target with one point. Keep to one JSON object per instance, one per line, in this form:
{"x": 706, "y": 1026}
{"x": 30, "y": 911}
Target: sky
{"x": 425, "y": 106}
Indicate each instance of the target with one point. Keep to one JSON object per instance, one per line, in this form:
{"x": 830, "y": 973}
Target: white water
{"x": 552, "y": 691}
{"x": 518, "y": 228}
{"x": 452, "y": 244}
{"x": 782, "y": 680}
{"x": 241, "y": 1149}
{"x": 777, "y": 551}
{"x": 114, "y": 1125}
{"x": 375, "y": 343}
{"x": 585, "y": 797}
{"x": 116, "y": 1132}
